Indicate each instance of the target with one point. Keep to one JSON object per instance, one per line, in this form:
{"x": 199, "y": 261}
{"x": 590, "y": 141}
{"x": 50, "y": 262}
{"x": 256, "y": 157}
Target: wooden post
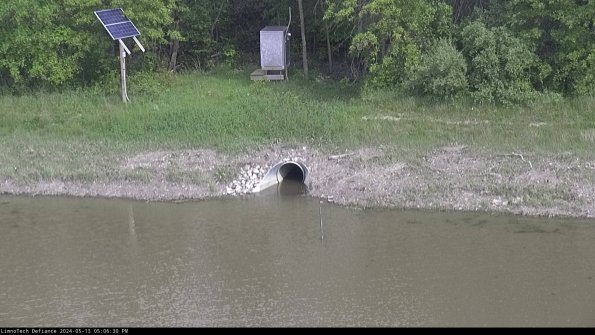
{"x": 123, "y": 72}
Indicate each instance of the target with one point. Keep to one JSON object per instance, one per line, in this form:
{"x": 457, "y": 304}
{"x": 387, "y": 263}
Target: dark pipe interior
{"x": 292, "y": 171}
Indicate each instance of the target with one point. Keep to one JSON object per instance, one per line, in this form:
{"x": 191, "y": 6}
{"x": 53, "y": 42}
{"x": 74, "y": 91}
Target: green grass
{"x": 88, "y": 135}
{"x": 225, "y": 110}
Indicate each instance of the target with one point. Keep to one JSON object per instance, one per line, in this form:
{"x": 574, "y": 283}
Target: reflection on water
{"x": 260, "y": 261}
{"x": 287, "y": 187}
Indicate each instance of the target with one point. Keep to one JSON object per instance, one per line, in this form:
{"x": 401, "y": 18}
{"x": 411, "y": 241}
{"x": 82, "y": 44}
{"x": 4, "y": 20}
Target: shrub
{"x": 583, "y": 79}
{"x": 501, "y": 67}
{"x": 442, "y": 72}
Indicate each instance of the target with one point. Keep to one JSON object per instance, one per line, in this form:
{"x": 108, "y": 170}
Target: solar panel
{"x": 111, "y": 16}
{"x": 122, "y": 30}
{"x": 116, "y": 23}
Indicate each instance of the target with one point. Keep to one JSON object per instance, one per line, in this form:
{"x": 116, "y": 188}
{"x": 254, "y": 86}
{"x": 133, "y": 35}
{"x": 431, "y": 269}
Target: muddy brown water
{"x": 260, "y": 261}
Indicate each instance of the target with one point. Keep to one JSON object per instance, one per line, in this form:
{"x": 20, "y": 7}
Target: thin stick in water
{"x": 321, "y": 230}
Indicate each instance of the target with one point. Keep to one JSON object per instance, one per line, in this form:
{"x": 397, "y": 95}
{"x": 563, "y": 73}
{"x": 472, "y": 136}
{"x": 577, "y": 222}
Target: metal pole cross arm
{"x": 138, "y": 43}
{"x": 124, "y": 46}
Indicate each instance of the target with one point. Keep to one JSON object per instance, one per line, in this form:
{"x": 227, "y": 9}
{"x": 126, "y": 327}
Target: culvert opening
{"x": 291, "y": 171}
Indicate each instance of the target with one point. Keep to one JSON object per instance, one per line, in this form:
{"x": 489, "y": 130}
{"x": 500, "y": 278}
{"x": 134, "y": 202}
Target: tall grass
{"x": 224, "y": 109}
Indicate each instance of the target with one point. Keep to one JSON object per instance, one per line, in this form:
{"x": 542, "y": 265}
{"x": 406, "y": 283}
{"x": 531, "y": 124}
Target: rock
{"x": 517, "y": 200}
{"x": 499, "y": 202}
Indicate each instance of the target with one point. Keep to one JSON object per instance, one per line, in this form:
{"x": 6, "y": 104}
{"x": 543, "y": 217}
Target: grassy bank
{"x": 227, "y": 111}
{"x": 534, "y": 157}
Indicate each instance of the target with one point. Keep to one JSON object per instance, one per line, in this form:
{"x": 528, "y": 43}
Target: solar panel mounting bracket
{"x": 138, "y": 43}
{"x": 124, "y": 47}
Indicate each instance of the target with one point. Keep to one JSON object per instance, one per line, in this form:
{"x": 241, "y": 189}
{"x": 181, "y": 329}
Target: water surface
{"x": 261, "y": 262}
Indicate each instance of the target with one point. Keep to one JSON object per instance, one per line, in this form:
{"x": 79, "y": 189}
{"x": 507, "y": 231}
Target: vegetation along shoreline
{"x": 432, "y": 104}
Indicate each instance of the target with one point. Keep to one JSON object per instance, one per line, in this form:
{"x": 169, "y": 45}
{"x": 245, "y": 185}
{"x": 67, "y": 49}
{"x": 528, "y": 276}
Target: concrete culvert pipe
{"x": 290, "y": 170}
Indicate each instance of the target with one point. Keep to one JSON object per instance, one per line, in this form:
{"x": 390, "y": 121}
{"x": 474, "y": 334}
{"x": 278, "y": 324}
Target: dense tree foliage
{"x": 493, "y": 51}
{"x": 60, "y": 41}
{"x": 391, "y": 35}
{"x": 561, "y": 33}
{"x": 501, "y": 67}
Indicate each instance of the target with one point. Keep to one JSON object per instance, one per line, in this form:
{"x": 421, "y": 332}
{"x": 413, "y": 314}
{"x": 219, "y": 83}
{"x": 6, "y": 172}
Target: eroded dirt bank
{"x": 447, "y": 178}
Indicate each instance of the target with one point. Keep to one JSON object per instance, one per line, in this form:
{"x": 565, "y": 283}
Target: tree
{"x": 562, "y": 34}
{"x": 502, "y": 68}
{"x": 328, "y": 44}
{"x": 303, "y": 33}
{"x": 45, "y": 42}
{"x": 55, "y": 42}
{"x": 464, "y": 8}
{"x": 391, "y": 35}
{"x": 195, "y": 37}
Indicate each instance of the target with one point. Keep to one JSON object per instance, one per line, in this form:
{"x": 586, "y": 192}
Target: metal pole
{"x": 321, "y": 229}
{"x": 123, "y": 73}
